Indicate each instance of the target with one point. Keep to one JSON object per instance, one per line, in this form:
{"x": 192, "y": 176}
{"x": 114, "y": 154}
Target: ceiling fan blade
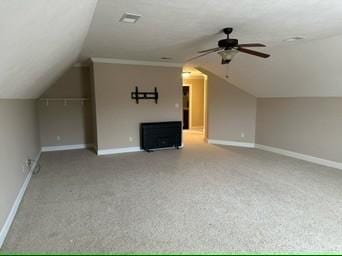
{"x": 255, "y": 53}
{"x": 252, "y": 45}
{"x": 209, "y": 50}
{"x": 201, "y": 55}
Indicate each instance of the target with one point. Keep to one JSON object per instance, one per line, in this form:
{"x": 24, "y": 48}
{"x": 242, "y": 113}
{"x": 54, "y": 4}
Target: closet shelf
{"x": 66, "y": 100}
{"x": 62, "y": 99}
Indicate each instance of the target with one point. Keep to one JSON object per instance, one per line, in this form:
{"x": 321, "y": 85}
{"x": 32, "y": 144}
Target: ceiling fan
{"x": 227, "y": 48}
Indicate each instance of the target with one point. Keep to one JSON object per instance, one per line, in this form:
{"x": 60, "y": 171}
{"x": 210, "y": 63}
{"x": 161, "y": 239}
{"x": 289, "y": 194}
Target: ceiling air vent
{"x": 129, "y": 17}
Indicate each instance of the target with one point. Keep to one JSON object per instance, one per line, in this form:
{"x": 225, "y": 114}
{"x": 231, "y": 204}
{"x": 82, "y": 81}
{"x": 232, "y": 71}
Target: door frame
{"x": 190, "y": 103}
{"x": 205, "y": 106}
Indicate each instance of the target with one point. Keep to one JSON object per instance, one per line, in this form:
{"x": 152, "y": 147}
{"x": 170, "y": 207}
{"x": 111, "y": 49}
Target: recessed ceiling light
{"x": 166, "y": 58}
{"x": 295, "y": 38}
{"x": 129, "y": 17}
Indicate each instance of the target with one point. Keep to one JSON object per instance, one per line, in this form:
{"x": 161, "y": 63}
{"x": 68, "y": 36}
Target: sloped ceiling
{"x": 40, "y": 39}
{"x": 301, "y": 69}
{"x": 179, "y": 28}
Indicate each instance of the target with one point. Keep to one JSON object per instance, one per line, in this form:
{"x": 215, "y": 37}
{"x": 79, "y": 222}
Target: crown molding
{"x": 135, "y": 62}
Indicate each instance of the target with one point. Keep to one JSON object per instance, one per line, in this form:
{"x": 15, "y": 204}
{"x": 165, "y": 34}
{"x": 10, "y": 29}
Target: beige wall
{"x": 71, "y": 122}
{"x": 231, "y": 111}
{"x": 93, "y": 105}
{"x": 74, "y": 83}
{"x": 310, "y": 126}
{"x": 118, "y": 116}
{"x": 19, "y": 136}
{"x": 197, "y": 101}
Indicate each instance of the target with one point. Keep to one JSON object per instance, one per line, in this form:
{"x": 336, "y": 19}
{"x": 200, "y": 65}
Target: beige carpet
{"x": 201, "y": 198}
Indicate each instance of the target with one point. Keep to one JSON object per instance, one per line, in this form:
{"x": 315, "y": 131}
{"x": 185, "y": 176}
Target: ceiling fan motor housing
{"x": 228, "y": 43}
{"x": 227, "y": 31}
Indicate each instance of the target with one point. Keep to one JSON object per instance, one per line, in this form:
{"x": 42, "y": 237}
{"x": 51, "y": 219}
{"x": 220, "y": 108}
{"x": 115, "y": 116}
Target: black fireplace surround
{"x": 160, "y": 135}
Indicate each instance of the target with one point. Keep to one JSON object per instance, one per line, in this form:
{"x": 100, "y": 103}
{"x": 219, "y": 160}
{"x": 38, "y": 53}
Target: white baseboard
{"x": 308, "y": 158}
{"x": 11, "y": 215}
{"x": 112, "y": 151}
{"x": 232, "y": 143}
{"x": 66, "y": 147}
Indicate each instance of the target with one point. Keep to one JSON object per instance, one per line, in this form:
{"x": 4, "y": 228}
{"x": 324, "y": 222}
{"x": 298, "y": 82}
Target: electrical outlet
{"x": 242, "y": 135}
{"x": 27, "y": 166}
{"x": 130, "y": 139}
{"x": 58, "y": 138}
{"x": 29, "y": 163}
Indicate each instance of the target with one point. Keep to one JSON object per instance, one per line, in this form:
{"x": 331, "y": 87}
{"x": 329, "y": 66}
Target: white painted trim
{"x": 308, "y": 158}
{"x": 136, "y": 62}
{"x": 205, "y": 105}
{"x": 112, "y": 151}
{"x": 14, "y": 209}
{"x": 66, "y": 147}
{"x": 232, "y": 143}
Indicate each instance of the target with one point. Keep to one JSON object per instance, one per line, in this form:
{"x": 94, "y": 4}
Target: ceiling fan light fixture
{"x": 227, "y": 49}
{"x": 228, "y": 55}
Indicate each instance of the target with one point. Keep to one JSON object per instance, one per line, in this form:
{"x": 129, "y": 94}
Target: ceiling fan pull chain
{"x": 227, "y": 71}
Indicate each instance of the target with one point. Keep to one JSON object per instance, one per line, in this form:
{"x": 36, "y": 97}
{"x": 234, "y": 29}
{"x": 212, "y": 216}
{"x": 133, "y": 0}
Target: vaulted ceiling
{"x": 307, "y": 69}
{"x": 42, "y": 38}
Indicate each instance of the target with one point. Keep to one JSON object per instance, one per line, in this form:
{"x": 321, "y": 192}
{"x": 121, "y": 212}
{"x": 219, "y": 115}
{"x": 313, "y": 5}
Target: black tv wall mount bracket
{"x": 136, "y": 95}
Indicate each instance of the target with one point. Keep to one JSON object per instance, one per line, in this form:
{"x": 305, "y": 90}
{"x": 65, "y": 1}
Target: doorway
{"x": 194, "y": 104}
{"x": 186, "y": 107}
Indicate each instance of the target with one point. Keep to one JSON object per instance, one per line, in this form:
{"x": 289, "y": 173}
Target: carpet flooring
{"x": 202, "y": 198}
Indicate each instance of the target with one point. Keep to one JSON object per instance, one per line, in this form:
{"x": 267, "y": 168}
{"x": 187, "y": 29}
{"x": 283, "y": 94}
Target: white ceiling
{"x": 179, "y": 28}
{"x": 39, "y": 40}
{"x": 42, "y": 38}
{"x": 310, "y": 69}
